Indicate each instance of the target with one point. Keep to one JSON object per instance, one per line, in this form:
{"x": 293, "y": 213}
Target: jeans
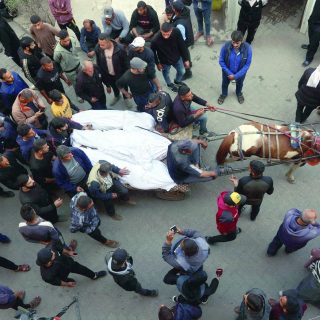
{"x": 203, "y": 16}
{"x": 72, "y": 26}
{"x": 222, "y": 238}
{"x": 180, "y": 71}
{"x": 96, "y": 235}
{"x": 202, "y": 121}
{"x": 303, "y": 112}
{"x": 252, "y": 27}
{"x": 225, "y": 84}
{"x": 140, "y": 290}
{"x": 172, "y": 276}
{"x": 7, "y": 264}
{"x": 100, "y": 104}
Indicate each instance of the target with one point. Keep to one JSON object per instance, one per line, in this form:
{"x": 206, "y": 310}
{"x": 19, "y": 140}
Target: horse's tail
{"x": 224, "y": 148}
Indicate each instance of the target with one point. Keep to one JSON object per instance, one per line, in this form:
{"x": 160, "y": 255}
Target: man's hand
{"x": 124, "y": 172}
{"x": 212, "y": 108}
{"x": 114, "y": 196}
{"x": 68, "y": 82}
{"x": 87, "y": 126}
{"x": 20, "y": 294}
{"x": 58, "y": 202}
{"x": 231, "y": 77}
{"x": 187, "y": 64}
{"x": 199, "y": 113}
{"x": 91, "y": 54}
{"x": 159, "y": 66}
{"x": 234, "y": 180}
{"x": 169, "y": 237}
{"x": 204, "y": 144}
{"x": 206, "y": 174}
{"x": 79, "y": 189}
{"x": 94, "y": 99}
{"x": 38, "y": 114}
{"x": 108, "y": 90}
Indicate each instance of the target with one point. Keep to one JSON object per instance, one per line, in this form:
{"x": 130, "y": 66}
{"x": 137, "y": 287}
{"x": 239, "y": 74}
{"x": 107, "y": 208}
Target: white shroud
{"x": 137, "y": 149}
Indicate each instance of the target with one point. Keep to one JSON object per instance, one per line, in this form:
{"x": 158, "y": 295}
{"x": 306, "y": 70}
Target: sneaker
{"x": 206, "y": 134}
{"x": 197, "y": 36}
{"x": 116, "y": 217}
{"x": 154, "y": 293}
{"x": 173, "y": 87}
{"x": 179, "y": 83}
{"x": 174, "y": 299}
{"x": 209, "y": 241}
{"x": 7, "y": 194}
{"x": 112, "y": 243}
{"x": 306, "y": 63}
{"x": 241, "y": 98}
{"x": 115, "y": 100}
{"x": 305, "y": 46}
{"x": 99, "y": 274}
{"x": 4, "y": 238}
{"x": 187, "y": 75}
{"x": 204, "y": 300}
{"x": 35, "y": 302}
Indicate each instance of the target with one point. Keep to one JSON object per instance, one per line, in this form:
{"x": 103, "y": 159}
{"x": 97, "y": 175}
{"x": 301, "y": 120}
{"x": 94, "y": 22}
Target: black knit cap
{"x": 119, "y": 256}
{"x": 44, "y": 256}
{"x": 183, "y": 90}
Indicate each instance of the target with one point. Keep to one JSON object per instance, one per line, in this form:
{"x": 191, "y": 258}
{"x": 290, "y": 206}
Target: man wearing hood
{"x": 186, "y": 255}
{"x": 296, "y": 230}
{"x": 120, "y": 266}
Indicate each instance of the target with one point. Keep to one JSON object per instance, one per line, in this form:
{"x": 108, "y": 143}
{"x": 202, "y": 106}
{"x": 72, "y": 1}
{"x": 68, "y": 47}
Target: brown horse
{"x": 269, "y": 142}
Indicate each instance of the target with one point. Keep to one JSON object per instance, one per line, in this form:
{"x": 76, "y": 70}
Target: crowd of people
{"x": 38, "y": 160}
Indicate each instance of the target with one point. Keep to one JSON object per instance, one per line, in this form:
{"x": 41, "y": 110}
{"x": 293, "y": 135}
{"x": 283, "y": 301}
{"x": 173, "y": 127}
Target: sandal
{"x": 73, "y": 245}
{"x": 221, "y": 99}
{"x": 35, "y": 302}
{"x": 241, "y": 98}
{"x": 112, "y": 243}
{"x": 209, "y": 41}
{"x": 23, "y": 268}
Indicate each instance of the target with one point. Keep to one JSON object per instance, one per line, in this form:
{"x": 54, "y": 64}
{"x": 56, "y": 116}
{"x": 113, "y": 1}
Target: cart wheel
{"x": 170, "y": 195}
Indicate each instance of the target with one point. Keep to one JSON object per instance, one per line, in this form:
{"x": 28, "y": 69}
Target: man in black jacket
{"x": 113, "y": 62}
{"x": 144, "y": 22}
{"x": 253, "y": 187}
{"x": 313, "y": 33}
{"x": 170, "y": 50}
{"x": 120, "y": 267}
{"x": 308, "y": 94}
{"x": 38, "y": 198}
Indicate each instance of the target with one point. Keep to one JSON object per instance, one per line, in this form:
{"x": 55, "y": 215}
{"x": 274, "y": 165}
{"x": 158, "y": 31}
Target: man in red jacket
{"x": 227, "y": 216}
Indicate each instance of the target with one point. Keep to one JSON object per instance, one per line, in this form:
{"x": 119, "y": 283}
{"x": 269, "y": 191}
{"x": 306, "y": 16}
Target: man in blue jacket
{"x": 181, "y": 311}
{"x": 71, "y": 169}
{"x": 89, "y": 37}
{"x": 235, "y": 60}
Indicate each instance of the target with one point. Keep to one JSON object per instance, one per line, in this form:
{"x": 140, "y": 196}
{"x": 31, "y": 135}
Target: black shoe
{"x": 179, "y": 83}
{"x": 204, "y": 300}
{"x": 187, "y": 75}
{"x": 238, "y": 230}
{"x": 99, "y": 274}
{"x": 305, "y": 46}
{"x": 153, "y": 293}
{"x": 306, "y": 63}
{"x": 173, "y": 87}
{"x": 7, "y": 194}
{"x": 209, "y": 240}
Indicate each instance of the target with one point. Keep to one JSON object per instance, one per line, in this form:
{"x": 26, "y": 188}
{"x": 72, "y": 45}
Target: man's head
{"x": 253, "y": 302}
{"x": 45, "y": 257}
{"x": 28, "y": 213}
{"x": 25, "y": 131}
{"x": 27, "y": 44}
{"x": 108, "y": 15}
{"x": 25, "y": 96}
{"x": 40, "y": 146}
{"x": 236, "y": 39}
{"x": 105, "y": 169}
{"x": 119, "y": 257}
{"x": 64, "y": 38}
{"x": 56, "y": 96}
{"x": 87, "y": 67}
{"x": 165, "y": 313}
{"x": 26, "y": 182}
{"x": 46, "y": 64}
{"x": 309, "y": 216}
{"x": 88, "y": 25}
{"x": 153, "y": 100}
{"x": 289, "y": 304}
{"x": 177, "y": 7}
{"x": 137, "y": 65}
{"x": 64, "y": 153}
{"x": 256, "y": 167}
{"x": 233, "y": 199}
{"x": 59, "y": 124}
{"x": 6, "y": 76}
{"x": 189, "y": 247}
{"x": 4, "y": 162}
{"x": 185, "y": 93}
{"x": 84, "y": 202}
{"x": 142, "y": 8}
{"x": 185, "y": 146}
{"x": 105, "y": 41}
{"x": 169, "y": 12}
{"x": 138, "y": 44}
{"x": 166, "y": 30}
{"x": 36, "y": 22}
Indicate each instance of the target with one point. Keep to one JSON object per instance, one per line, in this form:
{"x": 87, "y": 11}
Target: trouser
{"x": 72, "y": 26}
{"x": 179, "y": 68}
{"x": 83, "y": 185}
{"x": 226, "y": 81}
{"x": 202, "y": 121}
{"x": 277, "y": 243}
{"x": 314, "y": 39}
{"x": 121, "y": 190}
{"x": 82, "y": 270}
{"x": 142, "y": 100}
{"x": 222, "y": 238}
{"x": 112, "y": 83}
{"x": 130, "y": 36}
{"x": 203, "y": 16}
{"x": 140, "y": 290}
{"x": 172, "y": 276}
{"x": 19, "y": 303}
{"x": 255, "y": 208}
{"x": 7, "y": 264}
{"x": 96, "y": 235}
{"x": 250, "y": 27}
{"x": 100, "y": 104}
{"x": 303, "y": 112}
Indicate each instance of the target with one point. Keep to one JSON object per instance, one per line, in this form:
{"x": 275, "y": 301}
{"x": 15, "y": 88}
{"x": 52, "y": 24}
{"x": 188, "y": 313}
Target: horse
{"x": 272, "y": 142}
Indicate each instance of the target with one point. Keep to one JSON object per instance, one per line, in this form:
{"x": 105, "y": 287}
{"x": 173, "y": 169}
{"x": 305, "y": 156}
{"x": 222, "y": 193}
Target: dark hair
{"x": 22, "y": 180}
{"x": 183, "y": 90}
{"x": 10, "y": 143}
{"x": 27, "y": 212}
{"x": 254, "y": 302}
{"x": 141, "y": 4}
{"x": 2, "y": 72}
{"x": 25, "y": 42}
{"x": 88, "y": 20}
{"x": 38, "y": 144}
{"x": 63, "y": 33}
{"x": 35, "y": 19}
{"x": 83, "y": 202}
{"x": 166, "y": 27}
{"x": 55, "y": 95}
{"x": 45, "y": 60}
{"x": 58, "y": 123}
{"x": 104, "y": 36}
{"x": 169, "y": 9}
{"x": 23, "y": 129}
{"x": 292, "y": 306}
{"x": 189, "y": 247}
{"x": 165, "y": 313}
{"x": 236, "y": 36}
{"x": 257, "y": 167}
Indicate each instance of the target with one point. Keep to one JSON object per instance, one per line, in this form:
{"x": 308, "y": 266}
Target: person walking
{"x": 89, "y": 36}
{"x": 296, "y": 230}
{"x": 120, "y": 266}
{"x": 202, "y": 10}
{"x": 250, "y": 17}
{"x": 227, "y": 216}
{"x": 62, "y": 12}
{"x": 235, "y": 60}
{"x": 113, "y": 62}
{"x": 254, "y": 187}
{"x": 308, "y": 94}
{"x": 44, "y": 35}
{"x": 169, "y": 51}
{"x": 84, "y": 218}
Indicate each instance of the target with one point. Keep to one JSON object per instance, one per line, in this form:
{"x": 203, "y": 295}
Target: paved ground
{"x": 269, "y": 90}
